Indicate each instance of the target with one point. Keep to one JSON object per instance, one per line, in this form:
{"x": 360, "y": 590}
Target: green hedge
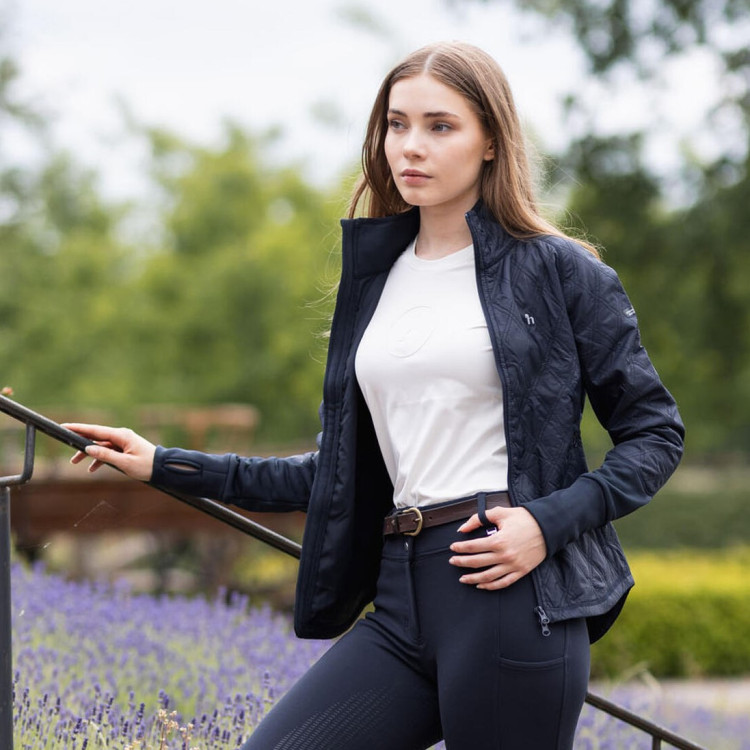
{"x": 689, "y": 615}
{"x": 698, "y": 519}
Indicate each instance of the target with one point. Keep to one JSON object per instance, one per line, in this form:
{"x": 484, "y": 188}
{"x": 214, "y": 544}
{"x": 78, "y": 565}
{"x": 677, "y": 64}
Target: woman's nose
{"x": 414, "y": 144}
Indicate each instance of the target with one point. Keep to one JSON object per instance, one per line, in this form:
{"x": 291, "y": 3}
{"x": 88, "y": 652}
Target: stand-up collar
{"x": 372, "y": 245}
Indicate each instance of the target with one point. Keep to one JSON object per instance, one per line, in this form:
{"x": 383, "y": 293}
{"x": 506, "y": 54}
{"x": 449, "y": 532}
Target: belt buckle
{"x": 420, "y": 520}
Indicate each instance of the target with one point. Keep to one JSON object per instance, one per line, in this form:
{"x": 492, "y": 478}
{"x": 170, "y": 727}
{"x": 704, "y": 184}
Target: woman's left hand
{"x": 515, "y": 549}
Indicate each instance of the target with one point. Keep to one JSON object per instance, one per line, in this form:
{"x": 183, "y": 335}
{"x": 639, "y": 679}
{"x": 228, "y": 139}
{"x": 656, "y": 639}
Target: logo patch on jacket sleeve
{"x": 630, "y": 312}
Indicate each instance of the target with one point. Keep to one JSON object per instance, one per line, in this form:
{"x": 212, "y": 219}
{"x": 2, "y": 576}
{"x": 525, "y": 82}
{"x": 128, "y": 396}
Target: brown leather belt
{"x": 410, "y": 521}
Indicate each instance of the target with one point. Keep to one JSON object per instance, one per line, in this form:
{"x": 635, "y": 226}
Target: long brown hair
{"x": 506, "y": 185}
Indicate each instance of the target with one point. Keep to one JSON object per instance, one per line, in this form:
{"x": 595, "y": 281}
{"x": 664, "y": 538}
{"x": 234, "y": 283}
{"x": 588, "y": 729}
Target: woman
{"x": 450, "y": 484}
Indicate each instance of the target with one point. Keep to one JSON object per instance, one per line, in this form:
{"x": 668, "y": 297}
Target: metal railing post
{"x": 6, "y": 648}
{"x": 6, "y": 633}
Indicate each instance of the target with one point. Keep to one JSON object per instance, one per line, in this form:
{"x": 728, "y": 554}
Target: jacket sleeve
{"x": 258, "y": 484}
{"x": 628, "y": 399}
{"x": 269, "y": 484}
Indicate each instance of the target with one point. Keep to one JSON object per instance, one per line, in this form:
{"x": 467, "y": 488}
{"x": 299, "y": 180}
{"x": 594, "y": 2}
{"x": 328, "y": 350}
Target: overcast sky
{"x": 188, "y": 65}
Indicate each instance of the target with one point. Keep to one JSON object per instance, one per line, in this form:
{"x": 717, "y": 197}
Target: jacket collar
{"x": 372, "y": 245}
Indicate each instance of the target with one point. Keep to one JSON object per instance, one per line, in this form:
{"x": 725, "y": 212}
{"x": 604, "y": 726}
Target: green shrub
{"x": 701, "y": 506}
{"x": 675, "y": 518}
{"x": 688, "y": 615}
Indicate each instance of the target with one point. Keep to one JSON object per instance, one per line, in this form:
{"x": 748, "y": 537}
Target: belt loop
{"x": 489, "y": 527}
{"x": 482, "y": 509}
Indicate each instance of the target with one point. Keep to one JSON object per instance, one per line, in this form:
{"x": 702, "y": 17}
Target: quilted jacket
{"x": 562, "y": 328}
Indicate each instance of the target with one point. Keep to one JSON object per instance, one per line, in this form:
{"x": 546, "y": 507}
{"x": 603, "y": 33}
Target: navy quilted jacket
{"x": 561, "y": 328}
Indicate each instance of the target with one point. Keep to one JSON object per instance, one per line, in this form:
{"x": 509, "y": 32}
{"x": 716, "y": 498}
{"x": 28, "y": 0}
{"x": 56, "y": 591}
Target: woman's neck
{"x": 441, "y": 235}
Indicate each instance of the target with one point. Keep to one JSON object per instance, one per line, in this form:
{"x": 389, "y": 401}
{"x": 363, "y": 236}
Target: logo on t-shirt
{"x": 411, "y": 331}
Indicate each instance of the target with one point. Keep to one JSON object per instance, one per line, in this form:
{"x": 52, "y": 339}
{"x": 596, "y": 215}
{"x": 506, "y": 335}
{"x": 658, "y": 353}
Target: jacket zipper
{"x": 332, "y": 394}
{"x": 499, "y": 363}
{"x": 543, "y": 621}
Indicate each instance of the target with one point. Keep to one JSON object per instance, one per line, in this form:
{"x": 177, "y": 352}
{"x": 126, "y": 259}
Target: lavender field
{"x": 97, "y": 666}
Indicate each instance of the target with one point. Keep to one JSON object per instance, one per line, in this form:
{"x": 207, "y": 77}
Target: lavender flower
{"x": 97, "y": 662}
{"x": 97, "y": 666}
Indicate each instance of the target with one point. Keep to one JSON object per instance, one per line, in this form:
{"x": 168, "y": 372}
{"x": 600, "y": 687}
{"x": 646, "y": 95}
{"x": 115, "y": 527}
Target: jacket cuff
{"x": 565, "y": 515}
{"x": 190, "y": 472}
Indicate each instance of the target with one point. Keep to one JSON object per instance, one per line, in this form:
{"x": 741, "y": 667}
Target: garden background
{"x": 213, "y": 287}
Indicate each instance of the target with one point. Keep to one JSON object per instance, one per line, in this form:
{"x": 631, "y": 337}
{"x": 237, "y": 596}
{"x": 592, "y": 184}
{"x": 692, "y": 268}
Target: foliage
{"x": 682, "y": 263}
{"x": 225, "y": 302}
{"x": 249, "y": 248}
{"x": 60, "y": 274}
{"x": 613, "y": 33}
{"x": 97, "y": 666}
{"x": 686, "y": 617}
{"x": 686, "y": 273}
{"x": 707, "y": 517}
{"x": 220, "y": 310}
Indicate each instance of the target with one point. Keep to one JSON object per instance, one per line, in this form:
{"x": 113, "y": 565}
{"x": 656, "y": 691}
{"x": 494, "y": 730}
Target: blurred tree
{"x": 614, "y": 32}
{"x": 220, "y": 308}
{"x": 626, "y": 41}
{"x": 58, "y": 258}
{"x": 686, "y": 268}
{"x": 60, "y": 270}
{"x": 713, "y": 274}
{"x": 687, "y": 273}
{"x": 684, "y": 265}
{"x": 227, "y": 310}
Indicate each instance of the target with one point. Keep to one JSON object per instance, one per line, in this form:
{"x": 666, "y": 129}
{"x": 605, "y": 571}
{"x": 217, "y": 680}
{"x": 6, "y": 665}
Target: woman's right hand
{"x": 117, "y": 446}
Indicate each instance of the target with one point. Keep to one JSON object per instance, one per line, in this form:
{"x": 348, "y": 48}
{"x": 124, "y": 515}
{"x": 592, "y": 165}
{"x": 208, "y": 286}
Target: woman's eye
{"x": 395, "y": 124}
{"x": 441, "y": 127}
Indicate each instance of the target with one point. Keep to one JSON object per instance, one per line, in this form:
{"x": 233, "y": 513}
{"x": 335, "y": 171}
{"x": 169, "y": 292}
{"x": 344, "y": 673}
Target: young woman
{"x": 450, "y": 484}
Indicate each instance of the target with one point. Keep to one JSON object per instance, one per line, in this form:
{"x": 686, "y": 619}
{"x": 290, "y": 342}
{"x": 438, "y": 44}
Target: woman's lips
{"x": 414, "y": 177}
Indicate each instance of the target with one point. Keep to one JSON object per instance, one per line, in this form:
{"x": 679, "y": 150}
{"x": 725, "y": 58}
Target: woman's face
{"x": 435, "y": 145}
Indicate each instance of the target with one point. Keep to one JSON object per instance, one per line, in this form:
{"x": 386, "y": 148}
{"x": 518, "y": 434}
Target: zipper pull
{"x": 543, "y": 620}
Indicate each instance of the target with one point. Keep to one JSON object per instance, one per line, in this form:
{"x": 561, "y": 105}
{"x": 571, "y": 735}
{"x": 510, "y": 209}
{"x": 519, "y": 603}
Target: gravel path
{"x": 713, "y": 713}
{"x": 726, "y": 695}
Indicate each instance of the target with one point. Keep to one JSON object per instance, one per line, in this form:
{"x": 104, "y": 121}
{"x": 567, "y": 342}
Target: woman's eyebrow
{"x": 431, "y": 115}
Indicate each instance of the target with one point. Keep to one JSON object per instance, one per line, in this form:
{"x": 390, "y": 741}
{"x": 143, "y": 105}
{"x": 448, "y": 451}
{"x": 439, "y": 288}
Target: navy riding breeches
{"x": 438, "y": 659}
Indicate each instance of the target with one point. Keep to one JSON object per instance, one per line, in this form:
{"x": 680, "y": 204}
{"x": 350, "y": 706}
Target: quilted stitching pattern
{"x": 564, "y": 328}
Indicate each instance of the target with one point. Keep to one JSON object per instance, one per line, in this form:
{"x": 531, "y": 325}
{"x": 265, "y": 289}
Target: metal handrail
{"x": 35, "y": 421}
{"x": 211, "y": 507}
{"x": 658, "y": 734}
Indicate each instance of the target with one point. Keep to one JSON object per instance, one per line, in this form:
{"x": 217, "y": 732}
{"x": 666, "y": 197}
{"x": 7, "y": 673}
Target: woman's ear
{"x": 489, "y": 154}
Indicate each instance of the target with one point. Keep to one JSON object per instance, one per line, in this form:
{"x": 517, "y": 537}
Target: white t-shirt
{"x": 427, "y": 371}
